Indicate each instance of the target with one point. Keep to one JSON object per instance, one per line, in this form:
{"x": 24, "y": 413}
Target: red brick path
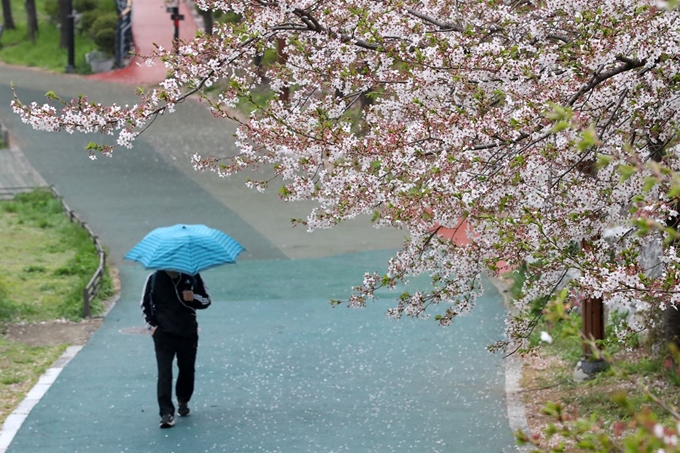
{"x": 150, "y": 24}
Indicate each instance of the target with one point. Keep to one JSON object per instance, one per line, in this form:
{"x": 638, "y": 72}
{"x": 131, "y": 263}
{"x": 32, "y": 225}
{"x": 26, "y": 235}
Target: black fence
{"x": 124, "y": 40}
{"x": 94, "y": 285}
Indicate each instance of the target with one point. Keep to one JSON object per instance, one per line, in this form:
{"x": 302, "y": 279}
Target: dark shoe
{"x": 183, "y": 410}
{"x": 167, "y": 421}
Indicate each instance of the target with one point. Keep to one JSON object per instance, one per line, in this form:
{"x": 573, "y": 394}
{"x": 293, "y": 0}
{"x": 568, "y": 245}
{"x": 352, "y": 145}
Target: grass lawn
{"x": 46, "y": 262}
{"x": 612, "y": 398}
{"x": 20, "y": 368}
{"x": 17, "y": 49}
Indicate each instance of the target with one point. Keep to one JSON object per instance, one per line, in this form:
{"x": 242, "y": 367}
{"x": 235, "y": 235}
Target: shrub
{"x": 102, "y": 22}
{"x": 106, "y": 40}
{"x": 51, "y": 8}
{"x": 103, "y": 31}
{"x": 85, "y": 5}
{"x": 87, "y": 20}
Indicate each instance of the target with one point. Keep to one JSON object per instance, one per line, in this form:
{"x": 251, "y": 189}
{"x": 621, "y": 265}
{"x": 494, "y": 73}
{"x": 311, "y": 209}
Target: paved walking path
{"x": 16, "y": 173}
{"x": 278, "y": 370}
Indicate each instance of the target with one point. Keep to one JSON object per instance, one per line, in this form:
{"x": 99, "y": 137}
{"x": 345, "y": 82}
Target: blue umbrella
{"x": 185, "y": 248}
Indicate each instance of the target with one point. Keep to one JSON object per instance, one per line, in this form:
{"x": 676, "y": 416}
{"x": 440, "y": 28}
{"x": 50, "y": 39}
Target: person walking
{"x": 169, "y": 303}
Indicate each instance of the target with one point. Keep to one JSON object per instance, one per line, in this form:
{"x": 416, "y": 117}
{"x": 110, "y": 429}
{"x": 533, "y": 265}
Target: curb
{"x": 516, "y": 412}
{"x": 513, "y": 375}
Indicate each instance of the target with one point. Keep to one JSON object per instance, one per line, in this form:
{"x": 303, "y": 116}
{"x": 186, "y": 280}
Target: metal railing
{"x": 94, "y": 285}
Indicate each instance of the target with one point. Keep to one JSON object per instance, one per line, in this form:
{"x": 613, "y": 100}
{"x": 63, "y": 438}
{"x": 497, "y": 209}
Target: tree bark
{"x": 281, "y": 59}
{"x": 7, "y": 19}
{"x": 671, "y": 317}
{"x": 592, "y": 310}
{"x": 32, "y": 18}
{"x": 63, "y": 20}
{"x": 208, "y": 21}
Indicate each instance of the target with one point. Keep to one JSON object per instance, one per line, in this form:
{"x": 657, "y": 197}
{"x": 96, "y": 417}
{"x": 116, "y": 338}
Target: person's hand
{"x": 188, "y": 296}
{"x": 153, "y": 330}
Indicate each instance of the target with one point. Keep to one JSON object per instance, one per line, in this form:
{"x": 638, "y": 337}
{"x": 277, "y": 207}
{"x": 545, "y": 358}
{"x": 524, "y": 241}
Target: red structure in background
{"x": 458, "y": 235}
{"x": 150, "y": 25}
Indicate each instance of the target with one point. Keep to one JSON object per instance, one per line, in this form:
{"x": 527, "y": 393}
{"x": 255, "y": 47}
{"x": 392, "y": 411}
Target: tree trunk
{"x": 32, "y": 18}
{"x": 671, "y": 317}
{"x": 7, "y": 19}
{"x": 592, "y": 310}
{"x": 208, "y": 21}
{"x": 63, "y": 20}
{"x": 281, "y": 59}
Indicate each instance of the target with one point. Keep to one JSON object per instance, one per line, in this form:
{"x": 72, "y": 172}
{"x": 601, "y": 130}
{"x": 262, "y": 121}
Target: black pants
{"x": 167, "y": 347}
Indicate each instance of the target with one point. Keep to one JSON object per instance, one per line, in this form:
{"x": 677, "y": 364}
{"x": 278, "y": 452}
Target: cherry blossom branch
{"x": 623, "y": 95}
{"x": 443, "y": 26}
{"x": 534, "y": 321}
{"x": 598, "y": 78}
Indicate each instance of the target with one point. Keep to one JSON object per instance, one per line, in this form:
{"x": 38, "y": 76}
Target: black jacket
{"x": 163, "y": 305}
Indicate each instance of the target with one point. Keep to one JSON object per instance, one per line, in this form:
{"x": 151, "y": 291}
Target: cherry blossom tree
{"x": 535, "y": 126}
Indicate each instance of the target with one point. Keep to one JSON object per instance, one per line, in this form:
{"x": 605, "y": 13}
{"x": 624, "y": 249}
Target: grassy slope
{"x": 46, "y": 261}
{"x": 548, "y": 378}
{"x": 20, "y": 368}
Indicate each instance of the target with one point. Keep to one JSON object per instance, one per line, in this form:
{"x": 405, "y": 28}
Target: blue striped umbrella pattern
{"x": 185, "y": 248}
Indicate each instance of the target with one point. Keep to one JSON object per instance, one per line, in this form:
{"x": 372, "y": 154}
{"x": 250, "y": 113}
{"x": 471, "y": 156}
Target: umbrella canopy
{"x": 185, "y": 248}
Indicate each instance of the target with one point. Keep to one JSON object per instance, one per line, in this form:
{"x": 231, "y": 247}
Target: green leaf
{"x": 504, "y": 200}
{"x": 650, "y": 182}
{"x": 588, "y": 139}
{"x": 626, "y": 171}
{"x": 674, "y": 191}
{"x": 603, "y": 161}
{"x": 560, "y": 126}
{"x": 559, "y": 113}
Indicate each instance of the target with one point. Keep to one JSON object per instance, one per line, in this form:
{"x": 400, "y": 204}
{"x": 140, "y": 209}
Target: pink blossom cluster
{"x": 543, "y": 124}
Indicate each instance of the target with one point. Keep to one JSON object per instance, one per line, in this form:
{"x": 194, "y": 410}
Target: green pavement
{"x": 279, "y": 369}
{"x": 284, "y": 372}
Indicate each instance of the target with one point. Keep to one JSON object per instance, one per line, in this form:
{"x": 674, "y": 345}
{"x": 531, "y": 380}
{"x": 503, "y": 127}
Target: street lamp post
{"x": 175, "y": 16}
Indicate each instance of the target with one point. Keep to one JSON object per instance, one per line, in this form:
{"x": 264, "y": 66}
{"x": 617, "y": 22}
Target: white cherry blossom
{"x": 541, "y": 124}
